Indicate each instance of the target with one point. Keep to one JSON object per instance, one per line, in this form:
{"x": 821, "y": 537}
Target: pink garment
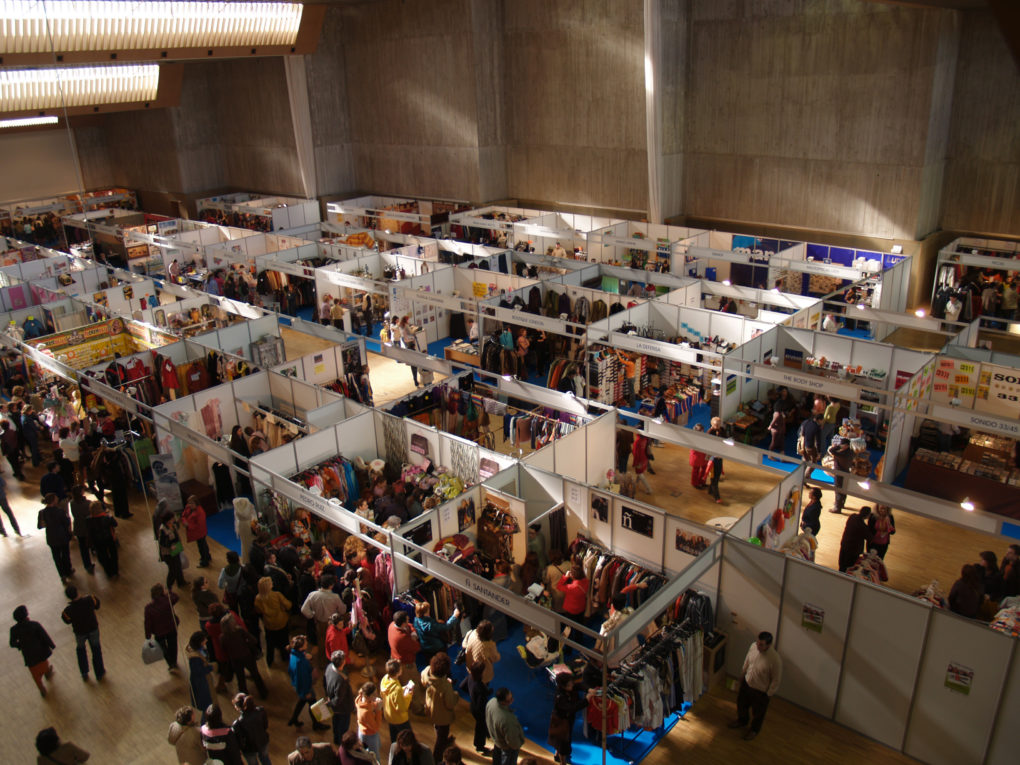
{"x": 212, "y": 420}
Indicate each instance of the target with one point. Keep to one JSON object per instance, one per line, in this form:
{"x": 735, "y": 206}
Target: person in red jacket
{"x": 195, "y": 529}
{"x": 574, "y": 586}
{"x": 640, "y": 450}
{"x": 404, "y": 645}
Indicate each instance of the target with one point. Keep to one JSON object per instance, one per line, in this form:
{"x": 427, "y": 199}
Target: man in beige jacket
{"x": 762, "y": 671}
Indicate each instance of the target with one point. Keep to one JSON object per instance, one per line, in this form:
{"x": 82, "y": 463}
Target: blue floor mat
{"x": 533, "y": 692}
{"x": 220, "y": 527}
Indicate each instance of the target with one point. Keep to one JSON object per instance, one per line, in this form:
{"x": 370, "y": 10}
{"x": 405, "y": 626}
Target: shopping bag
{"x": 184, "y": 561}
{"x": 321, "y": 711}
{"x": 151, "y": 652}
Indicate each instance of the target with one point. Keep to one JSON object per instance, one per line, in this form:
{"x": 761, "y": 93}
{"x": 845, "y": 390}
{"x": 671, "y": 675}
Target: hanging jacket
{"x": 534, "y": 300}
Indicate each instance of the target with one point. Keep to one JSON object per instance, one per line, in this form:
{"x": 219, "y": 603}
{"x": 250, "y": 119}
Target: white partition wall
{"x": 1002, "y": 750}
{"x": 883, "y": 653}
{"x": 750, "y": 593}
{"x": 812, "y": 634}
{"x": 958, "y": 689}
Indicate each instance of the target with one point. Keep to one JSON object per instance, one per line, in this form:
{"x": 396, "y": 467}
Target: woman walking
{"x": 199, "y": 669}
{"x": 715, "y": 466}
{"x": 567, "y": 703}
{"x": 275, "y": 611}
{"x": 170, "y": 549}
{"x": 882, "y": 528}
{"x": 240, "y": 647}
{"x": 478, "y": 696}
{"x": 301, "y": 680}
{"x": 440, "y": 700}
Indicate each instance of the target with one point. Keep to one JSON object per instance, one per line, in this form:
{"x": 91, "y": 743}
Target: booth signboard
{"x": 805, "y": 382}
{"x": 638, "y": 522}
{"x": 321, "y": 506}
{"x": 976, "y": 420}
{"x": 485, "y": 591}
{"x": 164, "y": 481}
{"x": 812, "y": 617}
{"x": 419, "y": 444}
{"x": 959, "y": 678}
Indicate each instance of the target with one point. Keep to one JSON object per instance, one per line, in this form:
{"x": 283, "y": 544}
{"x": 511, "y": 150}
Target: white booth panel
{"x": 882, "y": 655}
{"x": 957, "y": 691}
{"x": 638, "y": 531}
{"x": 599, "y": 514}
{"x": 1003, "y": 750}
{"x": 816, "y": 612}
{"x": 571, "y": 460}
{"x": 575, "y": 502}
{"x": 749, "y": 595}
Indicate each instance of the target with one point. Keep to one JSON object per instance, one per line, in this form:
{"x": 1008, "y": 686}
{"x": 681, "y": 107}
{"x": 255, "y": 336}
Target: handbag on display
{"x": 151, "y": 652}
{"x": 321, "y": 711}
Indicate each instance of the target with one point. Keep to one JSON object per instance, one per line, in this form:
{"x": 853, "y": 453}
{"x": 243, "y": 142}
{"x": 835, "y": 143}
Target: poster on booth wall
{"x": 998, "y": 391}
{"x": 812, "y": 617}
{"x": 959, "y": 678}
{"x": 164, "y": 481}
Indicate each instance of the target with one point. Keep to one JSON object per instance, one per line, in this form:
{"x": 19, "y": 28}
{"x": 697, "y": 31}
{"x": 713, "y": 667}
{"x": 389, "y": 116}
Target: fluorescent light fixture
{"x": 53, "y": 88}
{"x": 28, "y": 122}
{"x": 508, "y": 378}
{"x": 865, "y": 484}
{"x": 860, "y": 306}
{"x": 727, "y": 283}
{"x": 920, "y": 313}
{"x": 728, "y": 441}
{"x": 967, "y": 505}
{"x": 114, "y": 25}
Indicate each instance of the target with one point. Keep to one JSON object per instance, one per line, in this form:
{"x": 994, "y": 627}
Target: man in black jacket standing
{"x": 81, "y": 615}
{"x": 55, "y": 519}
{"x": 339, "y": 695}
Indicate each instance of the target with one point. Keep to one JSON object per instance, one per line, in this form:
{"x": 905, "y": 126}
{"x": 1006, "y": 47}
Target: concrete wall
{"x": 232, "y": 129}
{"x": 982, "y": 188}
{"x": 810, "y": 112}
{"x": 832, "y": 115}
{"x": 413, "y": 104}
{"x": 575, "y": 101}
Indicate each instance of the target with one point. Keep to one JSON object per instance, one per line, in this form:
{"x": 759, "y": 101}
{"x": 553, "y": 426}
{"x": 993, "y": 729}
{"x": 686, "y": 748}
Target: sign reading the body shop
{"x": 804, "y": 382}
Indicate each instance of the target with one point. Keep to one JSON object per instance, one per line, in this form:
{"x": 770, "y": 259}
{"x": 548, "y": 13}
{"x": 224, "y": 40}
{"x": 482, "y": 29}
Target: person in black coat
{"x": 567, "y": 703}
{"x": 251, "y": 728}
{"x": 810, "y": 517}
{"x": 478, "y": 695}
{"x": 36, "y": 646}
{"x": 55, "y": 519}
{"x": 856, "y": 535}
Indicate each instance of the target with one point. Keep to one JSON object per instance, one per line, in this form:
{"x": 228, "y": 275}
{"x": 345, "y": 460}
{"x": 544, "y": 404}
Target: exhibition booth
{"x": 880, "y": 383}
{"x": 762, "y": 304}
{"x": 193, "y": 432}
{"x": 391, "y": 214}
{"x": 672, "y": 346}
{"x": 967, "y": 259}
{"x": 643, "y": 246}
{"x": 260, "y": 213}
{"x": 799, "y": 268}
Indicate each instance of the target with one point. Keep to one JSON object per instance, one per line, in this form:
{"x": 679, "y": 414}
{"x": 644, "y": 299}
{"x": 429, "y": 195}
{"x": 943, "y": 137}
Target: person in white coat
{"x": 244, "y": 514}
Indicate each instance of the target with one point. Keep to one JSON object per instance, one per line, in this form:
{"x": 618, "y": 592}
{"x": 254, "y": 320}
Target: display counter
{"x": 947, "y": 482}
{"x": 462, "y": 354}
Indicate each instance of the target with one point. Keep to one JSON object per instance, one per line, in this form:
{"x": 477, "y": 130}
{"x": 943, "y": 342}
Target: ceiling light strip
{"x": 31, "y": 89}
{"x": 76, "y": 26}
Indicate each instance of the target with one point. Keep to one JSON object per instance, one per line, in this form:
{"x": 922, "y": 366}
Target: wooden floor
{"x": 916, "y": 339}
{"x": 124, "y": 718}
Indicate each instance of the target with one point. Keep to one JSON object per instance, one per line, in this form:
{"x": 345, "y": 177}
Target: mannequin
{"x": 244, "y": 514}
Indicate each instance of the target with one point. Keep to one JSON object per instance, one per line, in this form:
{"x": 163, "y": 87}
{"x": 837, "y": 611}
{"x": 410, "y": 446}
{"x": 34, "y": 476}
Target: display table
{"x": 947, "y": 483}
{"x": 461, "y": 357}
{"x": 988, "y": 449}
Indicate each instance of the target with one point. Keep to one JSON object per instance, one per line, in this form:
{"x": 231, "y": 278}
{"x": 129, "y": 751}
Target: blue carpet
{"x": 533, "y": 692}
{"x": 221, "y": 528}
{"x": 861, "y": 334}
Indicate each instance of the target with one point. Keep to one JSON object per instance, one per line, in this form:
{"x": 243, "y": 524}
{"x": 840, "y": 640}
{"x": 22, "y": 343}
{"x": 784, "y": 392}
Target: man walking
{"x": 339, "y": 695}
{"x": 81, "y": 615}
{"x": 161, "y": 623}
{"x": 762, "y": 671}
{"x": 504, "y": 728}
{"x": 54, "y": 518}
